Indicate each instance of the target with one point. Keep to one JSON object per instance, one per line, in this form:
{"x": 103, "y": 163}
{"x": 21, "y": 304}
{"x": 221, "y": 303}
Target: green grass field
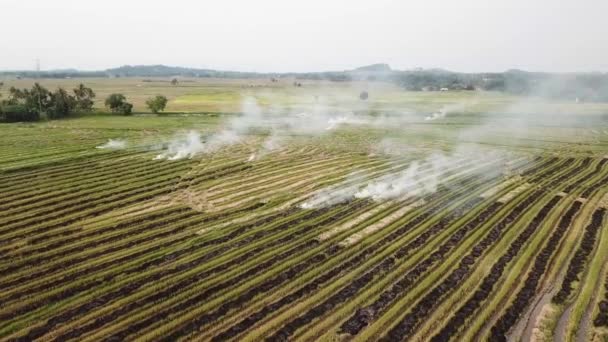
{"x": 388, "y": 226}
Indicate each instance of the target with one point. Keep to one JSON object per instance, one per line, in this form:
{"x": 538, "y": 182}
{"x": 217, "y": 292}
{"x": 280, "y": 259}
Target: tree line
{"x": 40, "y": 103}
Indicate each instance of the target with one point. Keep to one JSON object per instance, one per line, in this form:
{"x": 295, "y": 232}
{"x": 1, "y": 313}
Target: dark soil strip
{"x": 132, "y": 287}
{"x": 323, "y": 279}
{"x": 382, "y": 267}
{"x": 577, "y": 264}
{"x": 364, "y": 316}
{"x": 601, "y": 320}
{"x": 407, "y": 326}
{"x": 114, "y": 197}
{"x": 82, "y": 186}
{"x": 540, "y": 167}
{"x": 350, "y": 290}
{"x": 598, "y": 169}
{"x": 90, "y": 195}
{"x": 116, "y": 261}
{"x": 85, "y": 209}
{"x": 275, "y": 281}
{"x": 160, "y": 219}
{"x": 590, "y": 190}
{"x": 528, "y": 291}
{"x": 459, "y": 318}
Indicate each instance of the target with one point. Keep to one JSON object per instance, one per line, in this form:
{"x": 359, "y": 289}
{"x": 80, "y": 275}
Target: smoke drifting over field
{"x": 420, "y": 177}
{"x": 113, "y": 144}
{"x": 193, "y": 143}
{"x": 276, "y": 121}
{"x": 447, "y": 110}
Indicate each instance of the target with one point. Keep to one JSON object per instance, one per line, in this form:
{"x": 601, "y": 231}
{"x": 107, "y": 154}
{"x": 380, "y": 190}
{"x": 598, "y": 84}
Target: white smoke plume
{"x": 447, "y": 110}
{"x": 113, "y": 144}
{"x": 192, "y": 144}
{"x": 421, "y": 177}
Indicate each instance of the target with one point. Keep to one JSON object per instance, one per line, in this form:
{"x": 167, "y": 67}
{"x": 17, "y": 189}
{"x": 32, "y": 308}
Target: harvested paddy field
{"x": 360, "y": 221}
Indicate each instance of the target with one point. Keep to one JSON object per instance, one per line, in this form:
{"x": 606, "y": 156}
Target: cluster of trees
{"x": 32, "y": 104}
{"x": 38, "y": 102}
{"x": 157, "y": 103}
{"x": 117, "y": 103}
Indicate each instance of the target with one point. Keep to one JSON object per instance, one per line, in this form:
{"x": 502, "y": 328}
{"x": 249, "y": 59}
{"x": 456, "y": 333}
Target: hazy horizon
{"x": 276, "y": 36}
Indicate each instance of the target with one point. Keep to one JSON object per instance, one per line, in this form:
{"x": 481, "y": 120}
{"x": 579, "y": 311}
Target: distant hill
{"x": 582, "y": 86}
{"x": 169, "y": 71}
{"x": 380, "y": 67}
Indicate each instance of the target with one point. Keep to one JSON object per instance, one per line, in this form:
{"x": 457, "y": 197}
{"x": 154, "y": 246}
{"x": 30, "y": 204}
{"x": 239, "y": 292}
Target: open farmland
{"x": 365, "y": 220}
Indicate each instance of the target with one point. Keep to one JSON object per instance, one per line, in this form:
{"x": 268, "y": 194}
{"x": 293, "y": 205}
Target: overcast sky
{"x": 306, "y": 35}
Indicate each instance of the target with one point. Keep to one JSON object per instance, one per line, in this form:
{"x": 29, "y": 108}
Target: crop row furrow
{"x": 461, "y": 315}
{"x": 249, "y": 273}
{"x": 528, "y": 291}
{"x": 578, "y": 261}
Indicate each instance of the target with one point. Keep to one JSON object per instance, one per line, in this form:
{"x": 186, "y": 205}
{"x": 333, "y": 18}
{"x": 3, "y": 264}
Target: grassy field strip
{"x": 137, "y": 175}
{"x": 31, "y": 206}
{"x": 527, "y": 292}
{"x": 144, "y": 227}
{"x": 264, "y": 166}
{"x": 154, "y": 182}
{"x": 136, "y": 267}
{"x": 415, "y": 222}
{"x": 489, "y": 280}
{"x": 316, "y": 172}
{"x": 545, "y": 317}
{"x": 360, "y": 175}
{"x": 27, "y": 160}
{"x": 381, "y": 262}
{"x": 27, "y": 200}
{"x": 540, "y": 266}
{"x": 362, "y": 316}
{"x": 406, "y": 324}
{"x": 560, "y": 258}
{"x": 87, "y": 209}
{"x": 352, "y": 239}
{"x": 277, "y": 172}
{"x": 355, "y": 221}
{"x": 44, "y": 175}
{"x": 499, "y": 258}
{"x": 571, "y": 317}
{"x": 460, "y": 316}
{"x": 66, "y": 229}
{"x": 303, "y": 183}
{"x": 252, "y": 291}
{"x": 231, "y": 193}
{"x": 71, "y": 171}
{"x": 87, "y": 231}
{"x": 245, "y": 322}
{"x": 96, "y": 173}
{"x": 195, "y": 288}
{"x": 53, "y": 220}
{"x": 514, "y": 269}
{"x": 98, "y": 239}
{"x": 138, "y": 229}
